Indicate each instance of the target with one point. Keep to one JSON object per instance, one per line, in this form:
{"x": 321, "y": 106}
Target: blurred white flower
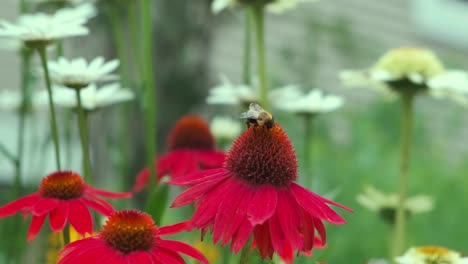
{"x": 311, "y": 103}
{"x": 78, "y": 73}
{"x": 10, "y": 44}
{"x": 431, "y": 255}
{"x": 45, "y": 28}
{"x": 225, "y": 128}
{"x": 241, "y": 94}
{"x": 376, "y": 200}
{"x": 276, "y": 6}
{"x": 92, "y": 97}
{"x": 67, "y": 2}
{"x": 412, "y": 70}
{"x": 11, "y": 100}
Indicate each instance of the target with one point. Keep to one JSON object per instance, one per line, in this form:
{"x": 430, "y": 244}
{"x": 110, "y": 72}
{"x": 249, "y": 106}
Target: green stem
{"x": 246, "y": 252}
{"x": 135, "y": 37}
{"x": 262, "y": 76}
{"x": 83, "y": 128}
{"x": 149, "y": 90}
{"x": 53, "y": 119}
{"x": 66, "y": 234}
{"x": 308, "y": 134}
{"x": 119, "y": 40}
{"x": 406, "y": 126}
{"x": 247, "y": 46}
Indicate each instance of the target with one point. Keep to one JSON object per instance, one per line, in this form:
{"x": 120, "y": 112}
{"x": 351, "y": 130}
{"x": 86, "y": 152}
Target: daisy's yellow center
{"x": 63, "y": 185}
{"x": 410, "y": 60}
{"x": 191, "y": 132}
{"x": 434, "y": 251}
{"x": 129, "y": 230}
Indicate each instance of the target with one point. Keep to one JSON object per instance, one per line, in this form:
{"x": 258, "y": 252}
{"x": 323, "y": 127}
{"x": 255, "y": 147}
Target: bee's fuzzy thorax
{"x": 263, "y": 155}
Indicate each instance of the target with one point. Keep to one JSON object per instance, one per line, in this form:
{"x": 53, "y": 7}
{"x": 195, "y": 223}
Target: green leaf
{"x": 156, "y": 202}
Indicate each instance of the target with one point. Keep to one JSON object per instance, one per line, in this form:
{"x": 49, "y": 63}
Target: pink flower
{"x": 191, "y": 148}
{"x": 130, "y": 237}
{"x": 255, "y": 193}
{"x": 63, "y": 196}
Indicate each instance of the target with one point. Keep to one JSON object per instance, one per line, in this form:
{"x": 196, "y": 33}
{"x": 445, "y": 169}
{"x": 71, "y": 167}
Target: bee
{"x": 257, "y": 116}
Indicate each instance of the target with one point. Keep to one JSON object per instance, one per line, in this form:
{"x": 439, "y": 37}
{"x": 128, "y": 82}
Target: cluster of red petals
{"x": 135, "y": 230}
{"x": 63, "y": 196}
{"x": 282, "y": 216}
{"x": 191, "y": 148}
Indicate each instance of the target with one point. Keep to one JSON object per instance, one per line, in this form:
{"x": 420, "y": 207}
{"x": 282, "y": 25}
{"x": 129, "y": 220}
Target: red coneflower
{"x": 255, "y": 193}
{"x": 62, "y": 195}
{"x": 130, "y": 237}
{"x": 191, "y": 148}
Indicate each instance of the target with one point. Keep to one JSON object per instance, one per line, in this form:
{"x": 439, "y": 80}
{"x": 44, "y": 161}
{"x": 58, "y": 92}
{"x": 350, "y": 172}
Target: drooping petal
{"x": 141, "y": 179}
{"x": 183, "y": 248}
{"x": 314, "y": 205}
{"x": 277, "y": 236}
{"x": 210, "y": 159}
{"x": 174, "y": 229}
{"x": 241, "y": 236}
{"x": 168, "y": 256}
{"x": 321, "y": 230}
{"x": 58, "y": 217}
{"x": 263, "y": 240}
{"x": 200, "y": 176}
{"x": 185, "y": 164}
{"x": 307, "y": 228}
{"x": 289, "y": 220}
{"x": 196, "y": 192}
{"x": 108, "y": 194}
{"x": 45, "y": 205}
{"x": 104, "y": 210}
{"x": 80, "y": 218}
{"x": 35, "y": 226}
{"x": 22, "y": 204}
{"x": 102, "y": 202}
{"x": 263, "y": 204}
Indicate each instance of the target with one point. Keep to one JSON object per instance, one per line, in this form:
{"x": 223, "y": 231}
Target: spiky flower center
{"x": 191, "y": 132}
{"x": 63, "y": 185}
{"x": 263, "y": 155}
{"x": 129, "y": 230}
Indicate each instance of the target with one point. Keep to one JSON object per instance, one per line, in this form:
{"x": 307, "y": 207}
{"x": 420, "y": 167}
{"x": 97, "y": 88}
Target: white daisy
{"x": 386, "y": 204}
{"x": 431, "y": 255}
{"x": 411, "y": 70}
{"x": 78, "y": 73}
{"x": 225, "y": 128}
{"x": 312, "y": 103}
{"x": 45, "y": 28}
{"x": 241, "y": 94}
{"x": 275, "y": 6}
{"x": 92, "y": 98}
{"x": 11, "y": 100}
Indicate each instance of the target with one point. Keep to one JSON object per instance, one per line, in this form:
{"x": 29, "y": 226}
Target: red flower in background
{"x": 191, "y": 148}
{"x": 130, "y": 237}
{"x": 255, "y": 193}
{"x": 63, "y": 196}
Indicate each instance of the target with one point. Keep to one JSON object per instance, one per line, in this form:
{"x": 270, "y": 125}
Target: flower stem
{"x": 308, "y": 134}
{"x": 247, "y": 46}
{"x": 149, "y": 90}
{"x": 66, "y": 234}
{"x": 406, "y": 127}
{"x": 258, "y": 13}
{"x": 53, "y": 119}
{"x": 83, "y": 128}
{"x": 246, "y": 252}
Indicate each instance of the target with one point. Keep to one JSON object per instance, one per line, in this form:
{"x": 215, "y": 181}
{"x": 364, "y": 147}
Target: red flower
{"x": 130, "y": 237}
{"x": 191, "y": 148}
{"x": 63, "y": 196}
{"x": 256, "y": 193}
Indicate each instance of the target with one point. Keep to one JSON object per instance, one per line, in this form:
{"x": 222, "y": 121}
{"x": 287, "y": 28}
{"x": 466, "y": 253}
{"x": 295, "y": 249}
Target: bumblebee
{"x": 257, "y": 116}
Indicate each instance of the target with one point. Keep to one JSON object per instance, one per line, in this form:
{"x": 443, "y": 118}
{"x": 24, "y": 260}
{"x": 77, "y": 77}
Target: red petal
{"x": 196, "y": 192}
{"x": 164, "y": 164}
{"x": 114, "y": 195}
{"x": 140, "y": 256}
{"x": 35, "y": 226}
{"x": 277, "y": 236}
{"x": 241, "y": 236}
{"x": 289, "y": 220}
{"x": 210, "y": 159}
{"x": 307, "y": 229}
{"x": 321, "y": 230}
{"x": 80, "y": 218}
{"x": 183, "y": 248}
{"x": 263, "y": 240}
{"x": 104, "y": 210}
{"x": 174, "y": 229}
{"x": 24, "y": 203}
{"x": 199, "y": 176}
{"x": 165, "y": 256}
{"x": 90, "y": 197}
{"x": 45, "y": 205}
{"x": 141, "y": 179}
{"x": 185, "y": 164}
{"x": 315, "y": 205}
{"x": 58, "y": 217}
{"x": 263, "y": 205}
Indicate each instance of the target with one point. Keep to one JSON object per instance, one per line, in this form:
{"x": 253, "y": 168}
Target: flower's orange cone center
{"x": 191, "y": 132}
{"x": 129, "y": 230}
{"x": 63, "y": 185}
{"x": 263, "y": 155}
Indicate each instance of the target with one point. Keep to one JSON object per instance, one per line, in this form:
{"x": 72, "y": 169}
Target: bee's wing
{"x": 254, "y": 109}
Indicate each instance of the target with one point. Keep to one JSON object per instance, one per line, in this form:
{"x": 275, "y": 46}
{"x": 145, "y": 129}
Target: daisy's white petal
{"x": 416, "y": 77}
{"x": 280, "y": 6}
{"x": 219, "y": 5}
{"x": 225, "y": 128}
